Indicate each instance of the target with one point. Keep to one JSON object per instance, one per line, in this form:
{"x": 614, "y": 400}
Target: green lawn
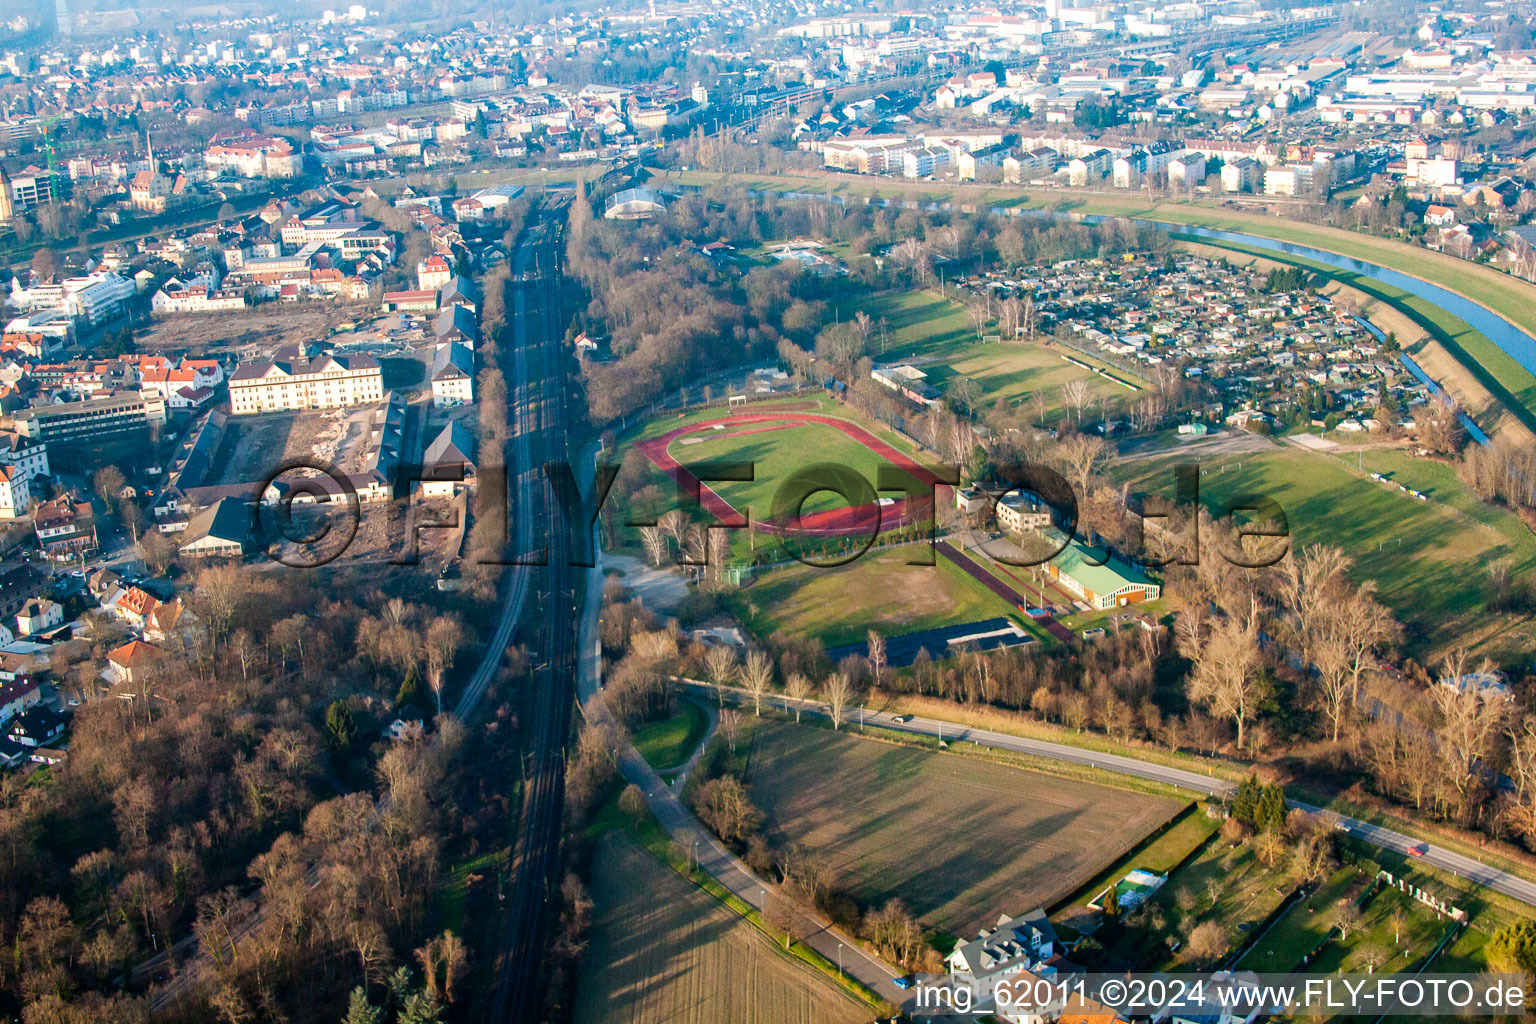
{"x": 1426, "y": 557}
{"x": 1397, "y": 933}
{"x": 667, "y": 744}
{"x": 1223, "y": 883}
{"x": 778, "y": 455}
{"x": 1305, "y": 923}
{"x": 878, "y": 591}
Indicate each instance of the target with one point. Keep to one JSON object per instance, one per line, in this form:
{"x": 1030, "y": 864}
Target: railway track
{"x": 516, "y": 995}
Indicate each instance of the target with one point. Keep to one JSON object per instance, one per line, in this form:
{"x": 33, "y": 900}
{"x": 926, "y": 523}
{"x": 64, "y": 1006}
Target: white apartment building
{"x": 25, "y": 458}
{"x": 453, "y": 376}
{"x": 15, "y": 494}
{"x": 328, "y": 382}
{"x": 254, "y": 156}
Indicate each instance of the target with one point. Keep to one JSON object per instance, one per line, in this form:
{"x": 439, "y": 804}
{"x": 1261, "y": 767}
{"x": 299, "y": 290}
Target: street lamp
{"x": 839, "y": 959}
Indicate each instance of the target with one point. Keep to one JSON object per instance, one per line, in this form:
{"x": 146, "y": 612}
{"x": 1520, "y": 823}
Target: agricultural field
{"x": 878, "y": 590}
{"x": 663, "y": 951}
{"x": 1425, "y": 556}
{"x": 934, "y": 334}
{"x": 959, "y": 840}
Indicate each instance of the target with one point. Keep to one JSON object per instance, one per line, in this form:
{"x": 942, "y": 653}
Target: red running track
{"x": 1001, "y": 589}
{"x": 844, "y": 522}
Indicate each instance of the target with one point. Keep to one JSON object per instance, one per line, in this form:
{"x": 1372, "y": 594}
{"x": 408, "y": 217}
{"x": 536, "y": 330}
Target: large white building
{"x": 252, "y": 155}
{"x": 327, "y": 382}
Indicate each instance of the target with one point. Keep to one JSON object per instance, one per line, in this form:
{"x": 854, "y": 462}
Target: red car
{"x": 1418, "y": 851}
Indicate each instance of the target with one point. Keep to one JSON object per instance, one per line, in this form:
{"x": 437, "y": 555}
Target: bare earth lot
{"x": 961, "y": 841}
{"x": 266, "y": 327}
{"x": 663, "y": 951}
{"x": 254, "y": 446}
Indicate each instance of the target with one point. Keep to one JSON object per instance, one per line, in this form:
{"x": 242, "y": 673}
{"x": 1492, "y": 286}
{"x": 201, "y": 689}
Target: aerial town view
{"x": 652, "y": 512}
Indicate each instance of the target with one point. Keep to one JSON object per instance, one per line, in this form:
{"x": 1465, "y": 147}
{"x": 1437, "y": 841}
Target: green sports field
{"x": 777, "y": 452}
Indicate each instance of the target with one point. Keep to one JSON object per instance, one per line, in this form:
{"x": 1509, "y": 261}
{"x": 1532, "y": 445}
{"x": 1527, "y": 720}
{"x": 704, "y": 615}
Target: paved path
{"x": 1470, "y": 868}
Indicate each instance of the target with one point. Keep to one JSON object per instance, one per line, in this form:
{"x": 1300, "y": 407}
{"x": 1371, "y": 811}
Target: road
{"x": 1470, "y": 868}
{"x": 541, "y": 364}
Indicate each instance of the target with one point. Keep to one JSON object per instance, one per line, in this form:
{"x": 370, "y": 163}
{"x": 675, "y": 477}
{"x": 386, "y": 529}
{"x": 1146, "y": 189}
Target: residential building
{"x": 456, "y": 324}
{"x": 15, "y": 494}
{"x": 24, "y": 456}
{"x": 1241, "y": 175}
{"x": 433, "y": 272}
{"x": 1014, "y": 946}
{"x": 19, "y": 583}
{"x": 65, "y": 530}
{"x": 17, "y": 695}
{"x": 327, "y": 382}
{"x": 449, "y": 462}
{"x": 39, "y": 615}
{"x": 252, "y": 155}
{"x": 453, "y": 375}
{"x": 1018, "y": 511}
{"x": 131, "y": 662}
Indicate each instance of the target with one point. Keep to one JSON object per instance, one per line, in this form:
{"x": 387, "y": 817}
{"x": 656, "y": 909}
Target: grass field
{"x": 663, "y": 951}
{"x": 935, "y": 332}
{"x": 666, "y": 744}
{"x": 960, "y": 840}
{"x": 876, "y": 591}
{"x": 1426, "y": 557}
{"x": 777, "y": 453}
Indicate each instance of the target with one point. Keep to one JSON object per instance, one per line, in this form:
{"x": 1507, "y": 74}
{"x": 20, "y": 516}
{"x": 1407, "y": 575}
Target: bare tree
{"x": 1470, "y": 719}
{"x": 757, "y": 673}
{"x": 655, "y": 541}
{"x": 1076, "y": 393}
{"x": 1084, "y": 455}
{"x": 720, "y": 665}
{"x": 1347, "y": 918}
{"x": 445, "y": 634}
{"x": 108, "y": 484}
{"x": 1010, "y": 313}
{"x": 797, "y": 688}
{"x": 1226, "y": 677}
{"x": 876, "y": 654}
{"x": 1330, "y": 656}
{"x": 839, "y": 691}
{"x": 979, "y": 315}
{"x": 1029, "y": 316}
